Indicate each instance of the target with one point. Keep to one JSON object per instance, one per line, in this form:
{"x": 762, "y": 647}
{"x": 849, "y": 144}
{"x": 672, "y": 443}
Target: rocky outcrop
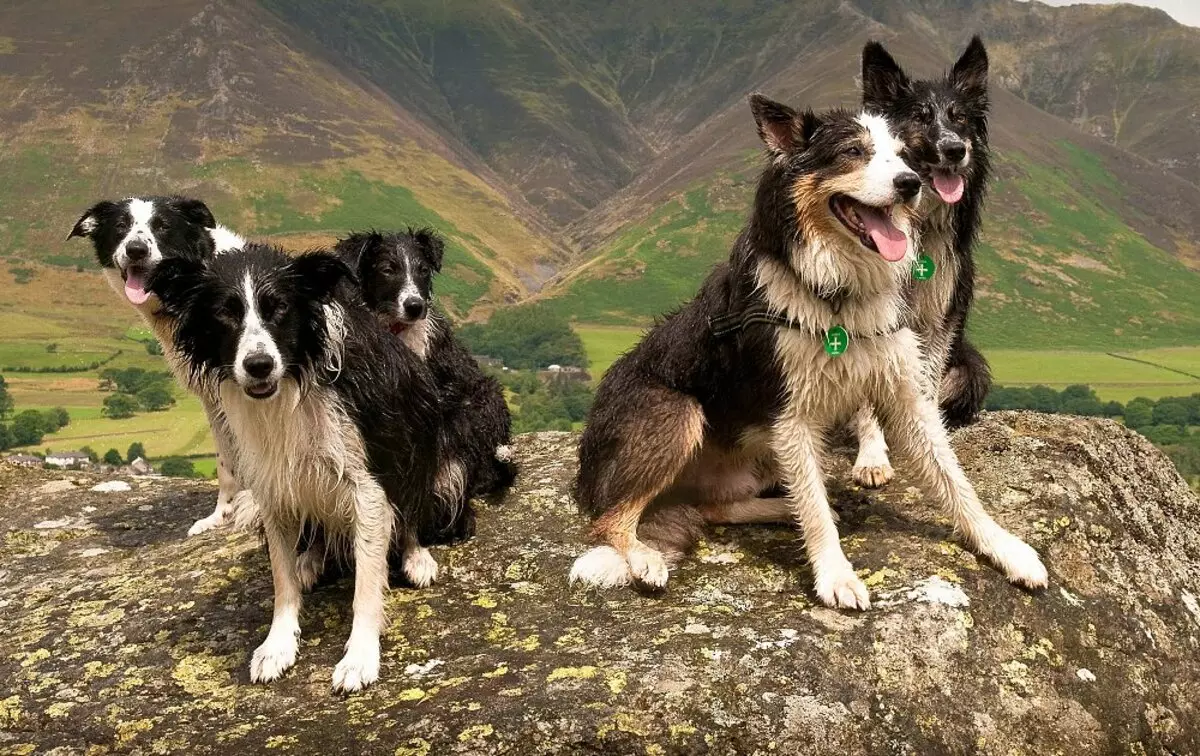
{"x": 120, "y": 634}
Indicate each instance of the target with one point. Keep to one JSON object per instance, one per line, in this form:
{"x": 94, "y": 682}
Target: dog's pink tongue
{"x": 135, "y": 289}
{"x": 949, "y": 186}
{"x": 891, "y": 241}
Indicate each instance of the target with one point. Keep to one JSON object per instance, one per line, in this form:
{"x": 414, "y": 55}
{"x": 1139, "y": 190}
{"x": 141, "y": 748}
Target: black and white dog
{"x": 733, "y": 394}
{"x": 395, "y": 272}
{"x": 335, "y": 422}
{"x": 944, "y": 124}
{"x": 132, "y": 237}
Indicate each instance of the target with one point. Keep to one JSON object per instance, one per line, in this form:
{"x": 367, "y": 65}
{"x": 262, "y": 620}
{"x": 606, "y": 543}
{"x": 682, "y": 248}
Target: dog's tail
{"x": 965, "y": 384}
{"x": 672, "y": 529}
{"x": 505, "y": 467}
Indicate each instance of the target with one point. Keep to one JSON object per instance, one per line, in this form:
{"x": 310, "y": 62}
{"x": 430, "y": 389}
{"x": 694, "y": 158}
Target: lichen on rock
{"x": 119, "y": 634}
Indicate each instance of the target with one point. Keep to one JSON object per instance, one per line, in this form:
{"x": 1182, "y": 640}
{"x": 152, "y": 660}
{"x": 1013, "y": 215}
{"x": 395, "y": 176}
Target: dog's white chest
{"x": 931, "y": 298}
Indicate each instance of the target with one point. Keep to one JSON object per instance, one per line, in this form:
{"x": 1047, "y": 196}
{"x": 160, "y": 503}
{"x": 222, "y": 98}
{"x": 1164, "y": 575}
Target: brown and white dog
{"x": 732, "y": 395}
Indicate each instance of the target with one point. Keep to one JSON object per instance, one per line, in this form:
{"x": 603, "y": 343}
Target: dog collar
{"x": 758, "y": 314}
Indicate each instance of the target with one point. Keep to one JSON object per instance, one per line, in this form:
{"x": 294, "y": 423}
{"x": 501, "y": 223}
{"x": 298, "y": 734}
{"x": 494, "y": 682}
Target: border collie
{"x": 395, "y": 271}
{"x": 131, "y": 237}
{"x": 944, "y": 125}
{"x": 335, "y": 425}
{"x": 732, "y": 394}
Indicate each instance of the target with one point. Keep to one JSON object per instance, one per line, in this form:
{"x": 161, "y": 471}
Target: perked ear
{"x": 194, "y": 211}
{"x": 883, "y": 81}
{"x": 90, "y": 220}
{"x": 177, "y": 281}
{"x": 433, "y": 248}
{"x": 318, "y": 274}
{"x": 970, "y": 73}
{"x": 780, "y": 128}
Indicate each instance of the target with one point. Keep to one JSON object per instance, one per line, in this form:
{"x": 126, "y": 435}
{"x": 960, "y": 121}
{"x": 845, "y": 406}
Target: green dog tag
{"x": 837, "y": 340}
{"x": 923, "y": 268}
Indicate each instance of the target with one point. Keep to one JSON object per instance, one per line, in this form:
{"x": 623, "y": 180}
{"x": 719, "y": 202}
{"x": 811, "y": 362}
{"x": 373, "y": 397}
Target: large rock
{"x": 120, "y": 633}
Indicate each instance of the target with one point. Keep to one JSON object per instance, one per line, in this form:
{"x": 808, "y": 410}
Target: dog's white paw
{"x": 602, "y": 567}
{"x": 420, "y": 568}
{"x": 275, "y": 656}
{"x": 647, "y": 566}
{"x": 205, "y": 524}
{"x": 357, "y": 669}
{"x": 1021, "y": 564}
{"x": 310, "y": 565}
{"x": 873, "y": 476}
{"x": 840, "y": 588}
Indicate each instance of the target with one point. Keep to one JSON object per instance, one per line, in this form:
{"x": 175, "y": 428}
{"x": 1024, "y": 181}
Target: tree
{"x": 6, "y": 439}
{"x": 51, "y": 348}
{"x": 119, "y": 406}
{"x": 28, "y": 428}
{"x": 1045, "y": 399}
{"x": 1139, "y": 413}
{"x": 177, "y": 468}
{"x": 526, "y": 338}
{"x": 1113, "y": 409}
{"x": 92, "y": 457}
{"x": 56, "y": 418}
{"x": 112, "y": 457}
{"x": 154, "y": 348}
{"x": 155, "y": 397}
{"x": 6, "y": 401}
{"x": 1171, "y": 412}
{"x": 135, "y": 450}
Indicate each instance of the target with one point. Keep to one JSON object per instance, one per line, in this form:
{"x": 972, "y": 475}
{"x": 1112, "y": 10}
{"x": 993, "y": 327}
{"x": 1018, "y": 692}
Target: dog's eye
{"x": 157, "y": 224}
{"x": 387, "y": 269}
{"x": 925, "y": 113}
{"x": 853, "y": 152}
{"x": 230, "y": 310}
{"x": 272, "y": 309}
{"x": 956, "y": 115}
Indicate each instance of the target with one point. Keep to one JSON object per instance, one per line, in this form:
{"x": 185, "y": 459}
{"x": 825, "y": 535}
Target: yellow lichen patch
{"x": 207, "y": 678}
{"x": 236, "y": 572}
{"x": 282, "y": 741}
{"x": 616, "y": 680}
{"x": 414, "y": 747}
{"x": 475, "y": 732}
{"x": 623, "y": 722}
{"x": 654, "y": 749}
{"x": 1017, "y": 673}
{"x": 95, "y": 670}
{"x": 128, "y": 731}
{"x": 573, "y": 673}
{"x": 10, "y": 712}
{"x": 500, "y": 632}
{"x": 948, "y": 575}
{"x": 1045, "y": 649}
{"x": 681, "y": 730}
{"x": 573, "y": 638}
{"x": 91, "y": 614}
{"x": 424, "y": 612}
{"x": 34, "y": 657}
{"x": 512, "y": 692}
{"x": 486, "y": 600}
{"x": 497, "y": 672}
{"x": 877, "y": 578}
{"x": 59, "y": 709}
{"x": 411, "y": 694}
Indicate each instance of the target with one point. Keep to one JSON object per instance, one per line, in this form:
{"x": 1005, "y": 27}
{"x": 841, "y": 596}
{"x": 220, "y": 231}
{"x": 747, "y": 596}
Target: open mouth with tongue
{"x": 398, "y": 327}
{"x": 872, "y": 225}
{"x": 948, "y": 185}
{"x": 135, "y": 284}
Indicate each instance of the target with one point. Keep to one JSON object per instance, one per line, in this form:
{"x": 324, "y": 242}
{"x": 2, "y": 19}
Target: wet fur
{"x": 475, "y": 418}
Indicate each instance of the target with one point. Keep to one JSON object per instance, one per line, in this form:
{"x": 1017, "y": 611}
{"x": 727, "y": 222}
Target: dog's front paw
{"x": 205, "y": 524}
{"x": 275, "y": 656}
{"x": 873, "y": 476}
{"x": 357, "y": 669}
{"x": 648, "y": 567}
{"x": 840, "y": 588}
{"x": 1021, "y": 564}
{"x": 601, "y": 567}
{"x": 420, "y": 568}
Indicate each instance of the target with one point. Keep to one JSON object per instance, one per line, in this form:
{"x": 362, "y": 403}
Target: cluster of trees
{"x": 53, "y": 348}
{"x": 1167, "y": 422}
{"x": 28, "y": 427}
{"x": 135, "y": 389}
{"x": 526, "y": 338}
{"x": 544, "y": 405}
{"x": 113, "y": 457}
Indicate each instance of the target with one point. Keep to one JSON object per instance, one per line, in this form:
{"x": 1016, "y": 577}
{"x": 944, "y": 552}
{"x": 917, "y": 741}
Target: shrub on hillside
{"x": 28, "y": 428}
{"x": 119, "y": 406}
{"x": 135, "y": 450}
{"x": 112, "y": 457}
{"x": 177, "y": 468}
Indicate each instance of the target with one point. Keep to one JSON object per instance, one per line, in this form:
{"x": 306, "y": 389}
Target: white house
{"x": 68, "y": 459}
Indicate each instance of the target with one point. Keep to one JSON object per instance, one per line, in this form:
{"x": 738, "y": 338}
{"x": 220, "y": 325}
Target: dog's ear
{"x": 195, "y": 211}
{"x": 178, "y": 282}
{"x": 883, "y": 80}
{"x": 970, "y": 73}
{"x": 90, "y": 220}
{"x": 318, "y": 274}
{"x": 432, "y": 246}
{"x": 781, "y": 128}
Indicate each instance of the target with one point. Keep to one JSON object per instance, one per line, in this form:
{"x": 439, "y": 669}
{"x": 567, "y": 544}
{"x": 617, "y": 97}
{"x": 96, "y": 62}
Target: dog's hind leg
{"x": 872, "y": 469}
{"x": 373, "y": 525}
{"x": 915, "y": 428}
{"x": 747, "y": 512}
{"x": 419, "y": 566}
{"x": 278, "y": 652}
{"x": 798, "y": 445}
{"x": 656, "y": 435}
{"x": 228, "y": 486}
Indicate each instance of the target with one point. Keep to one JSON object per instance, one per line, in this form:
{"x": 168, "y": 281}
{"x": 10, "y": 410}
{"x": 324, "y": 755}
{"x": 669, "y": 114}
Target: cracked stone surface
{"x": 119, "y": 634}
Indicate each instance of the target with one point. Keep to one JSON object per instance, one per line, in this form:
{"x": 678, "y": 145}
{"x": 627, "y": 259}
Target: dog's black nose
{"x": 259, "y": 365}
{"x": 414, "y": 308}
{"x": 907, "y": 184}
{"x": 953, "y": 152}
{"x": 137, "y": 250}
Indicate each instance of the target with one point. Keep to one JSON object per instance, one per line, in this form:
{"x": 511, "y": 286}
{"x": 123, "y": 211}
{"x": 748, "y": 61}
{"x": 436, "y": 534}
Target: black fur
{"x": 387, "y": 392}
{"x": 930, "y": 113}
{"x": 475, "y": 417}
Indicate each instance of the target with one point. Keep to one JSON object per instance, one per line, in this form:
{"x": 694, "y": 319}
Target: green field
{"x": 1113, "y": 378}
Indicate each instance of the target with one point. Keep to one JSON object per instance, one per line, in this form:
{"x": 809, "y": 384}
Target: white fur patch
{"x": 879, "y": 188}
{"x": 255, "y": 338}
{"x": 225, "y": 240}
{"x": 420, "y": 567}
{"x": 602, "y": 567}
